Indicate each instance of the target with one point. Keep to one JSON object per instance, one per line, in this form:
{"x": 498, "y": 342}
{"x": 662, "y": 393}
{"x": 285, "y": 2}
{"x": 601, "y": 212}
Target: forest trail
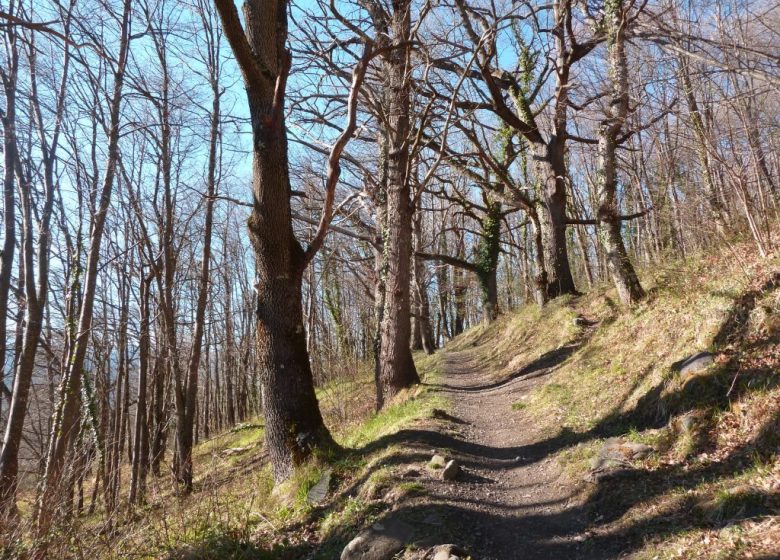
{"x": 512, "y": 499}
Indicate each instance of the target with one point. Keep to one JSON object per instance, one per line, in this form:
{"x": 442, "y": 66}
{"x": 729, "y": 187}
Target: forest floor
{"x": 579, "y": 437}
{"x": 533, "y": 407}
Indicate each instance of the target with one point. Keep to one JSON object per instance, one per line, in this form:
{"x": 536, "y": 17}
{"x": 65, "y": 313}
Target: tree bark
{"x": 551, "y": 172}
{"x": 396, "y": 367}
{"x": 8, "y": 75}
{"x": 422, "y": 318}
{"x": 141, "y": 441}
{"x": 609, "y": 223}
{"x": 36, "y": 289}
{"x": 294, "y": 425}
{"x": 187, "y": 396}
{"x": 700, "y": 134}
{"x": 487, "y": 260}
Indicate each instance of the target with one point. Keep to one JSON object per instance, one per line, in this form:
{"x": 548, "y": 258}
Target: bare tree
{"x": 65, "y": 422}
{"x": 294, "y": 425}
{"x": 616, "y": 22}
{"x": 36, "y": 288}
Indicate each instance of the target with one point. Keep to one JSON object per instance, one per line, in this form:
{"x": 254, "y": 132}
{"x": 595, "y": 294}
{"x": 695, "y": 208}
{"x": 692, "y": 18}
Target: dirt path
{"x": 512, "y": 500}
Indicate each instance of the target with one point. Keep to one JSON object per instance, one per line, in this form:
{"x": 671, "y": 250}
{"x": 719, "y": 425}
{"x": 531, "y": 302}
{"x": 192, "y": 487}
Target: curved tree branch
{"x": 334, "y": 167}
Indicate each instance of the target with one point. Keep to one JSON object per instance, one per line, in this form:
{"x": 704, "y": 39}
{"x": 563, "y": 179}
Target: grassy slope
{"x": 706, "y": 493}
{"x": 234, "y": 511}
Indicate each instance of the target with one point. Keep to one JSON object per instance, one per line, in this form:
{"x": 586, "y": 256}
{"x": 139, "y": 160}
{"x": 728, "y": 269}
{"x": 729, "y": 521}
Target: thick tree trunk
{"x": 487, "y": 260}
{"x": 489, "y": 288}
{"x": 551, "y": 171}
{"x": 459, "y": 288}
{"x": 379, "y": 199}
{"x": 396, "y": 367}
{"x": 293, "y": 422}
{"x": 541, "y": 293}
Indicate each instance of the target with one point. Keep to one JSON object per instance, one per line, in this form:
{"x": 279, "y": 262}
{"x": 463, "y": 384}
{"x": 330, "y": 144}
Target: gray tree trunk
{"x": 618, "y": 262}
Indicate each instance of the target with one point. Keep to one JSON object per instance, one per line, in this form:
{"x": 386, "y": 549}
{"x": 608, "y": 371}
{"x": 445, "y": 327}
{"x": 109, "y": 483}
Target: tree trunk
{"x": 8, "y": 76}
{"x": 187, "y": 397}
{"x": 293, "y": 422}
{"x": 396, "y": 367}
{"x": 36, "y": 290}
{"x": 622, "y": 271}
{"x": 141, "y": 441}
{"x": 700, "y": 134}
{"x": 35, "y": 305}
{"x": 66, "y": 415}
{"x": 551, "y": 171}
{"x": 422, "y": 318}
{"x": 487, "y": 260}
{"x": 159, "y": 415}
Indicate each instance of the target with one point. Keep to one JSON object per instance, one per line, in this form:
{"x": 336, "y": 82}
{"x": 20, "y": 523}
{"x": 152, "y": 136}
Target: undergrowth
{"x": 710, "y": 486}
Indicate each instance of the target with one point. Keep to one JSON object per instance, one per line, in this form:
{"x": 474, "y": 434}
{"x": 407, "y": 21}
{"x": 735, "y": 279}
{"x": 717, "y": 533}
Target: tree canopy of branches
{"x": 210, "y": 212}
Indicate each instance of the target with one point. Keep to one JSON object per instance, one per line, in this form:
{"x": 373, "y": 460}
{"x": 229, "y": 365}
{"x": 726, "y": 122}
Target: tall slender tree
{"x": 616, "y": 22}
{"x": 65, "y": 422}
{"x": 36, "y": 289}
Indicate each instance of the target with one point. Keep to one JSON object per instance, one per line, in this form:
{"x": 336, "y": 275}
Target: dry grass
{"x": 707, "y": 493}
{"x": 712, "y": 493}
{"x": 235, "y": 511}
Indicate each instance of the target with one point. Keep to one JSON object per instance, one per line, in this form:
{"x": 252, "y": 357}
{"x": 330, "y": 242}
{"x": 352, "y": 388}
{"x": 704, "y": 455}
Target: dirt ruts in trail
{"x": 512, "y": 499}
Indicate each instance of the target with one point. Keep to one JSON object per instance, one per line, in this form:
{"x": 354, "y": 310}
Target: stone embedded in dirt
{"x": 319, "y": 491}
{"x": 611, "y": 472}
{"x": 688, "y": 423}
{"x": 451, "y": 471}
{"x": 696, "y": 363}
{"x": 617, "y": 449}
{"x": 447, "y": 552}
{"x": 599, "y": 463}
{"x": 381, "y": 541}
{"x": 394, "y": 495}
{"x": 230, "y": 451}
{"x": 437, "y": 462}
{"x": 614, "y": 456}
{"x": 638, "y": 450}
